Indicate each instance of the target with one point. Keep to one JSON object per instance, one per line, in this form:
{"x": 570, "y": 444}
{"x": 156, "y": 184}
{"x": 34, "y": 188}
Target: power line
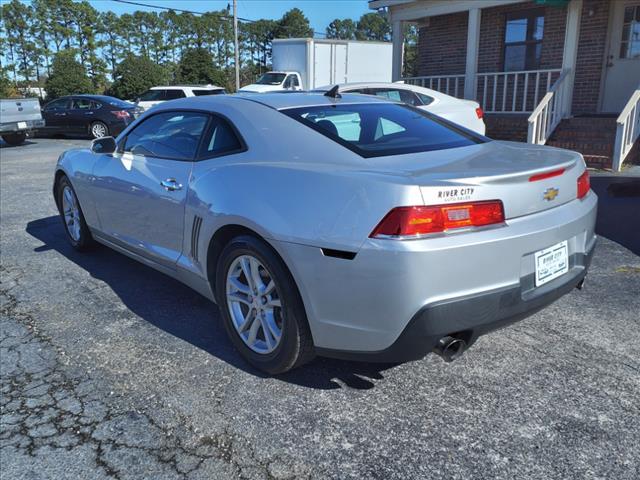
{"x": 222, "y": 15}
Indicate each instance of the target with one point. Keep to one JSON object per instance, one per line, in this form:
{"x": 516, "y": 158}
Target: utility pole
{"x": 236, "y": 49}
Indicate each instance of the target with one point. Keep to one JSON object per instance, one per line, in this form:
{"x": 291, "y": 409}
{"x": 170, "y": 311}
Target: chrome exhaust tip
{"x": 450, "y": 348}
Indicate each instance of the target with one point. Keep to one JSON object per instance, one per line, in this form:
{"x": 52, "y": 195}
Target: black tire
{"x": 15, "y": 138}
{"x": 98, "y": 124}
{"x": 296, "y": 345}
{"x": 85, "y": 241}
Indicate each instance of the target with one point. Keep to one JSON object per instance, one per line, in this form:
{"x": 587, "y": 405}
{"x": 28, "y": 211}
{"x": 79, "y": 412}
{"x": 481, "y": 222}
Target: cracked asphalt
{"x": 112, "y": 370}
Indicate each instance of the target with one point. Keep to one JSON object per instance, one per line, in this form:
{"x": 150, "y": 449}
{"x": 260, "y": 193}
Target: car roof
{"x": 178, "y": 87}
{"x": 303, "y": 99}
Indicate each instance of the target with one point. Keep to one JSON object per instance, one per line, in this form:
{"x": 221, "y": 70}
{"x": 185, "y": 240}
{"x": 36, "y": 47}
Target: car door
{"x": 140, "y": 191}
{"x": 55, "y": 115}
{"x": 81, "y": 114}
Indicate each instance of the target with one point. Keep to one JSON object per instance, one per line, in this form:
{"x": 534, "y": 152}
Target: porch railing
{"x": 549, "y": 112}
{"x": 628, "y": 129}
{"x": 448, "y": 84}
{"x": 513, "y": 92}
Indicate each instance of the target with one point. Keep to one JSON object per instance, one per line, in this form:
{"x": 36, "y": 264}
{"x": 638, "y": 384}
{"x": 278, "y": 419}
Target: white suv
{"x": 157, "y": 95}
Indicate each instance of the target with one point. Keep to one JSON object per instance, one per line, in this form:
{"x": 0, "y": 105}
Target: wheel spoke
{"x": 274, "y": 302}
{"x": 239, "y": 286}
{"x": 239, "y": 297}
{"x": 246, "y": 269}
{"x": 247, "y": 321}
{"x": 258, "y": 285}
{"x": 269, "y": 287}
{"x": 253, "y": 331}
{"x": 271, "y": 325}
{"x": 268, "y": 335}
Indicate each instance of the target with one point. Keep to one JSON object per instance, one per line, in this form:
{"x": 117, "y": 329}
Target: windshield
{"x": 379, "y": 129}
{"x": 271, "y": 79}
{"x": 152, "y": 95}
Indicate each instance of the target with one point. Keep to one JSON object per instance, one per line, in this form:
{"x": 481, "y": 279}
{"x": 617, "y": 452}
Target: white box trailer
{"x": 321, "y": 62}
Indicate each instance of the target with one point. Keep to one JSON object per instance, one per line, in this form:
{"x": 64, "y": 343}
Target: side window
{"x": 199, "y": 93}
{"x": 387, "y": 127}
{"x": 294, "y": 81}
{"x": 390, "y": 94}
{"x": 220, "y": 139}
{"x": 410, "y": 98}
{"x": 288, "y": 83}
{"x": 425, "y": 99}
{"x": 95, "y": 105}
{"x": 171, "y": 135}
{"x": 173, "y": 94}
{"x": 60, "y": 104}
{"x": 81, "y": 104}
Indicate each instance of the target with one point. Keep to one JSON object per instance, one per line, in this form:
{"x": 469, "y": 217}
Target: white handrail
{"x": 515, "y": 91}
{"x": 447, "y": 84}
{"x": 627, "y": 129}
{"x": 549, "y": 112}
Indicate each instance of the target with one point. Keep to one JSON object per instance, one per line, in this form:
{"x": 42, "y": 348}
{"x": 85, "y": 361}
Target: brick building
{"x": 561, "y": 72}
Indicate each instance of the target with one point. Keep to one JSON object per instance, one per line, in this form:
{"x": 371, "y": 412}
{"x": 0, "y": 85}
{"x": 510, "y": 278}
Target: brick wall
{"x": 442, "y": 45}
{"x": 592, "y": 46}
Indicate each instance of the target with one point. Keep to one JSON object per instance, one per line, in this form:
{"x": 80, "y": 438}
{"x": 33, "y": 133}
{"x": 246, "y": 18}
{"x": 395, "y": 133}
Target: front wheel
{"x": 71, "y": 214}
{"x": 17, "y": 138}
{"x": 99, "y": 130}
{"x": 261, "y": 307}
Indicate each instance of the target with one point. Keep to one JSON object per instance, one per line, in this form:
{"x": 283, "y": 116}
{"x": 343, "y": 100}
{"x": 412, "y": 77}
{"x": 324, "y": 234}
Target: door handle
{"x": 88, "y": 113}
{"x": 170, "y": 184}
{"x": 60, "y": 114}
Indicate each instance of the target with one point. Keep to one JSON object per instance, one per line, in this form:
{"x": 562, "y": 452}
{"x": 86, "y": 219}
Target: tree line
{"x": 67, "y": 46}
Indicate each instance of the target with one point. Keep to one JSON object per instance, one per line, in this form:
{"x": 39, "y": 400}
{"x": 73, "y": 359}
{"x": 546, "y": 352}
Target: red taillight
{"x": 583, "y": 184}
{"x": 120, "y": 113}
{"x": 542, "y": 176}
{"x": 415, "y": 221}
{"x": 479, "y": 113}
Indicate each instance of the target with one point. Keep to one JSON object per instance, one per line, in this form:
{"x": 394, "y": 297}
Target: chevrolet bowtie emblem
{"x": 550, "y": 194}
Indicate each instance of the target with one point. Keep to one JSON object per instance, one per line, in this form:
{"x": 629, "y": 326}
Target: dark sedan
{"x": 94, "y": 115}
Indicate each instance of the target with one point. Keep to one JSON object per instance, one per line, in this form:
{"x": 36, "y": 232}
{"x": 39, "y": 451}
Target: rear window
{"x": 375, "y": 130}
{"x": 199, "y": 93}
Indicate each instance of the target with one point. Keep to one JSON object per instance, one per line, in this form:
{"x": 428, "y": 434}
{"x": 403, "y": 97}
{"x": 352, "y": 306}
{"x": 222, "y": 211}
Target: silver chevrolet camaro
{"x": 344, "y": 226}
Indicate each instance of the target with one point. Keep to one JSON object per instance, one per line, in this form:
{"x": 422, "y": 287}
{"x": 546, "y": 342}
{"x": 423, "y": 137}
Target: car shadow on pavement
{"x": 4, "y": 144}
{"x": 618, "y": 209}
{"x": 175, "y": 308}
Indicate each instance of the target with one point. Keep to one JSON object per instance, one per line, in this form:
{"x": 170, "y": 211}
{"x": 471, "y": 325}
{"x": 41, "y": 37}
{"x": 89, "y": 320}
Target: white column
{"x": 473, "y": 45}
{"x": 570, "y": 53}
{"x": 397, "y": 37}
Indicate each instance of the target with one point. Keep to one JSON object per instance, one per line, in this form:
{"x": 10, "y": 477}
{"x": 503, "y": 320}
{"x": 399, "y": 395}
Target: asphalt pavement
{"x": 109, "y": 369}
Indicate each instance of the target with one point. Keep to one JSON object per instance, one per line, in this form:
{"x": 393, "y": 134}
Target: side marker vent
{"x": 195, "y": 236}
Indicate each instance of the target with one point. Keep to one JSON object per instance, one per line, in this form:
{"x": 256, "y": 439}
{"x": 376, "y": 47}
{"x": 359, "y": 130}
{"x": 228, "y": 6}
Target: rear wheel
{"x": 15, "y": 138}
{"x": 99, "y": 130}
{"x": 71, "y": 214}
{"x": 261, "y": 307}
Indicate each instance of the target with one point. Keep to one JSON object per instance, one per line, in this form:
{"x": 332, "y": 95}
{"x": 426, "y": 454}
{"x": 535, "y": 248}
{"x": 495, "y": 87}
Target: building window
{"x": 630, "y": 45}
{"x": 523, "y": 40}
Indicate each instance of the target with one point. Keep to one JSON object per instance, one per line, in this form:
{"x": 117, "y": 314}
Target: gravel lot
{"x": 111, "y": 370}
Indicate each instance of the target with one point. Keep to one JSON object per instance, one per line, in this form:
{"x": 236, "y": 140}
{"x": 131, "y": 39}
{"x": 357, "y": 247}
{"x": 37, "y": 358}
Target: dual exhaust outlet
{"x": 450, "y": 348}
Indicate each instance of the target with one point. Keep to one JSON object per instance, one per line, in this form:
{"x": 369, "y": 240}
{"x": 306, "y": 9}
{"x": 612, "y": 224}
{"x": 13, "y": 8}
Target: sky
{"x": 319, "y": 12}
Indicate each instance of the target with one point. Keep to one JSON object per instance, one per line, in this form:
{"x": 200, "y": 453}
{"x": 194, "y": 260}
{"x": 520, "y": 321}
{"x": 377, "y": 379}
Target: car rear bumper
{"x": 471, "y": 316}
{"x": 393, "y": 292}
{"x": 13, "y": 127}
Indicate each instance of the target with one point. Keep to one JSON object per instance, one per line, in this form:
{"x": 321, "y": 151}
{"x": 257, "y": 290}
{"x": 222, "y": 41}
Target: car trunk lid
{"x": 527, "y": 178}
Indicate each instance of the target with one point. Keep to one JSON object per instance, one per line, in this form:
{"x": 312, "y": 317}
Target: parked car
{"x": 412, "y": 236}
{"x": 157, "y": 95}
{"x": 19, "y": 117}
{"x": 94, "y": 115}
{"x": 463, "y": 112}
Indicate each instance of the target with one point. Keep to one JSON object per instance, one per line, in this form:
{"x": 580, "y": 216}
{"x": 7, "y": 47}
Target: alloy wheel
{"x": 98, "y": 130}
{"x": 71, "y": 213}
{"x": 254, "y": 304}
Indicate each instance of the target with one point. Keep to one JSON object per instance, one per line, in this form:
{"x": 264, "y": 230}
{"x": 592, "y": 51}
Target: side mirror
{"x": 104, "y": 145}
